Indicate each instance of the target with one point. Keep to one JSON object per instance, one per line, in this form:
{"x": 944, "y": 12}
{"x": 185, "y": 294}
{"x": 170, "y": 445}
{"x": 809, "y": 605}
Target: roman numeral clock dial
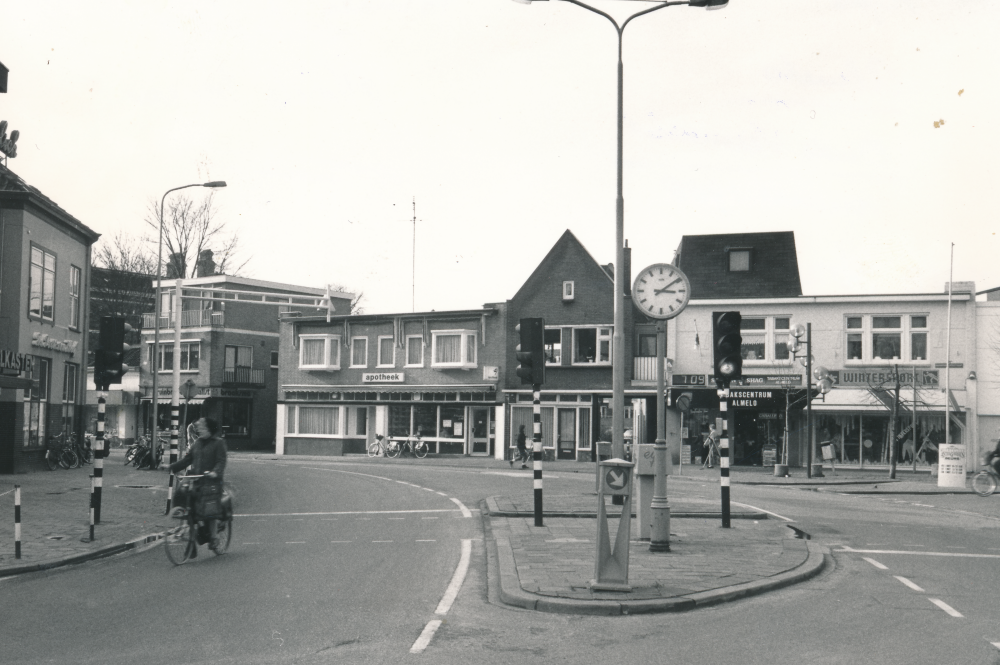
{"x": 661, "y": 291}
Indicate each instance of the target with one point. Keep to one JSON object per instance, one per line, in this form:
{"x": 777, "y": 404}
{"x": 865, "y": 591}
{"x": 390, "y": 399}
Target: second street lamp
{"x": 617, "y": 345}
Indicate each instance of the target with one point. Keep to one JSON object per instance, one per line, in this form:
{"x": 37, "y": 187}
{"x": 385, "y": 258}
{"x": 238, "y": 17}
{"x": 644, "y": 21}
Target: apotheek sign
{"x": 383, "y": 377}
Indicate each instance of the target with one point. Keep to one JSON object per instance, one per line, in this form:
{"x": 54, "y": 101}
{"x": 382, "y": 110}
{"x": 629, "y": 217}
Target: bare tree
{"x": 191, "y": 227}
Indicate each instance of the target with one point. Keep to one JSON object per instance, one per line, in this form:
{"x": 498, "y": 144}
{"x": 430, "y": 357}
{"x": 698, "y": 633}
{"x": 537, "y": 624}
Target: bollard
{"x": 536, "y": 448}
{"x": 17, "y": 521}
{"x": 92, "y": 486}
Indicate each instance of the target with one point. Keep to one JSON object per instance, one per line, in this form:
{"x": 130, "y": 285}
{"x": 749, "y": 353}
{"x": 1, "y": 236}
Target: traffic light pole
{"x": 99, "y": 456}
{"x": 724, "y": 454}
{"x": 536, "y": 446}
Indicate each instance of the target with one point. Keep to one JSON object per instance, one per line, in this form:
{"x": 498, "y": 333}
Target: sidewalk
{"x": 55, "y": 515}
{"x": 548, "y": 568}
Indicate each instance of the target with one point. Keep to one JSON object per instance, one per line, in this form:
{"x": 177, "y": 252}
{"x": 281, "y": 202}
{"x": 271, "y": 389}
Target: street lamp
{"x": 154, "y": 364}
{"x": 825, "y": 383}
{"x": 618, "y": 347}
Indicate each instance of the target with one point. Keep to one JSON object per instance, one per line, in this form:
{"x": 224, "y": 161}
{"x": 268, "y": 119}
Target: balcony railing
{"x": 193, "y": 318}
{"x": 243, "y": 376}
{"x": 644, "y": 368}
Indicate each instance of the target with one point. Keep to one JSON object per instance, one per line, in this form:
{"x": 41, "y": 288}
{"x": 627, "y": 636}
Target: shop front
{"x": 332, "y": 422}
{"x": 568, "y": 424}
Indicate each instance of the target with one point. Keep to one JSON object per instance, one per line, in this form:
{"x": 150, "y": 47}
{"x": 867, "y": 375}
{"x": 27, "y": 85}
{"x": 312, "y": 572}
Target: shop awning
{"x": 847, "y": 400}
{"x": 17, "y": 382}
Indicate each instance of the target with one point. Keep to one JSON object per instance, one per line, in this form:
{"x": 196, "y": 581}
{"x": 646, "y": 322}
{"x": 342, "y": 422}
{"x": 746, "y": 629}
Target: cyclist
{"x": 206, "y": 456}
{"x": 993, "y": 458}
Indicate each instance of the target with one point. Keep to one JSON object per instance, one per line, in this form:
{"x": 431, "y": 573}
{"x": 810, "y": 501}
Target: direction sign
{"x": 616, "y": 480}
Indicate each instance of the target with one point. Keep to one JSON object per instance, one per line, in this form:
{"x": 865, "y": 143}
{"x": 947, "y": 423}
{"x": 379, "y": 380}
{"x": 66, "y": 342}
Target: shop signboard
{"x": 866, "y": 376}
{"x": 768, "y": 380}
{"x": 383, "y": 377}
{"x": 951, "y": 465}
{"x": 19, "y": 362}
{"x": 755, "y": 399}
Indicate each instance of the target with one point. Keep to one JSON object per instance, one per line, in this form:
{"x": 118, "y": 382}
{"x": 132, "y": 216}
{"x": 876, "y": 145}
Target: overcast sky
{"x": 868, "y": 128}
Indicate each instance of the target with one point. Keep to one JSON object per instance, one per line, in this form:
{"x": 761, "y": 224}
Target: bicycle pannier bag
{"x": 209, "y": 505}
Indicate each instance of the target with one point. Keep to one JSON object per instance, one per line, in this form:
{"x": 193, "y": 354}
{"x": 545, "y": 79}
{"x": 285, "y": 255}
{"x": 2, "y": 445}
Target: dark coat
{"x": 204, "y": 456}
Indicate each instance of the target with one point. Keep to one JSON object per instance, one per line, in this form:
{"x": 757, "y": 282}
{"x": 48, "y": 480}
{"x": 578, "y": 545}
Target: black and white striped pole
{"x": 722, "y": 425}
{"x": 17, "y": 521}
{"x": 92, "y": 485}
{"x": 99, "y": 444}
{"x": 536, "y": 449}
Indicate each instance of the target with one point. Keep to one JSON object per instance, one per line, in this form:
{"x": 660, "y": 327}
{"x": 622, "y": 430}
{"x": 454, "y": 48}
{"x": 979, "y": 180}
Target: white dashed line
{"x": 996, "y": 644}
{"x": 946, "y": 607}
{"x": 426, "y": 541}
{"x": 341, "y": 541}
{"x": 747, "y": 505}
{"x": 425, "y": 636}
{"x": 295, "y": 542}
{"x": 908, "y": 583}
{"x": 967, "y": 555}
{"x": 875, "y": 563}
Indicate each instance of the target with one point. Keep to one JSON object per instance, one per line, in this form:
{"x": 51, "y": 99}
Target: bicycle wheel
{"x": 374, "y": 450}
{"x": 420, "y": 449}
{"x": 393, "y": 449}
{"x": 51, "y": 460}
{"x": 130, "y": 454}
{"x": 86, "y": 455}
{"x": 179, "y": 542}
{"x": 984, "y": 483}
{"x": 224, "y": 532}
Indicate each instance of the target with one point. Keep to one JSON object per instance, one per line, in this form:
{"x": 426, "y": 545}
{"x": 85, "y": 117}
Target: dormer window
{"x": 739, "y": 260}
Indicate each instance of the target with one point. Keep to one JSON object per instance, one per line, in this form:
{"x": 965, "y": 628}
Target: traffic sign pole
{"x": 536, "y": 446}
{"x": 723, "y": 427}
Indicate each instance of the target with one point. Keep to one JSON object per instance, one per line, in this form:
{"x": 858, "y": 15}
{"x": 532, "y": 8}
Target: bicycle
{"x": 378, "y": 447}
{"x": 84, "y": 452}
{"x": 61, "y": 453}
{"x": 181, "y": 541}
{"x": 985, "y": 482}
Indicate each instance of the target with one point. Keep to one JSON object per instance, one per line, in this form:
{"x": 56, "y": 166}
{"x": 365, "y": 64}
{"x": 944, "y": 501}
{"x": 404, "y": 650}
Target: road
{"x": 353, "y": 560}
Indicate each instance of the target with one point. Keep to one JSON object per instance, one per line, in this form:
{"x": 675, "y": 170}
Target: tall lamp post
{"x": 155, "y": 363}
{"x": 618, "y": 347}
{"x": 824, "y": 384}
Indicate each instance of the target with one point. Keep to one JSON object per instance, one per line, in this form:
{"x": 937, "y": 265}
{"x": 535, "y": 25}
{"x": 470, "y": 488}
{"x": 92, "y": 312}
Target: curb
{"x": 140, "y": 544}
{"x": 511, "y": 593}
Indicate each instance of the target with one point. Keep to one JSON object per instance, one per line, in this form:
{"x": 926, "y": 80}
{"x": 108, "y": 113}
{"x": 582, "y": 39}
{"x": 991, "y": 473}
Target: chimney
{"x": 176, "y": 266}
{"x": 206, "y": 264}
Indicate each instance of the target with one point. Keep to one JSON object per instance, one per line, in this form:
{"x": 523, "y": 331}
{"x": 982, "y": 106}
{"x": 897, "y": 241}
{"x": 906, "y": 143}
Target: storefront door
{"x": 480, "y": 437}
{"x": 567, "y": 434}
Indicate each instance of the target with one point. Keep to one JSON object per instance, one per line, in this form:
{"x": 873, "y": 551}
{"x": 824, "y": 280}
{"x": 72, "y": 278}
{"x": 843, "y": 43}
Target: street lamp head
{"x": 215, "y": 183}
{"x": 709, "y": 4}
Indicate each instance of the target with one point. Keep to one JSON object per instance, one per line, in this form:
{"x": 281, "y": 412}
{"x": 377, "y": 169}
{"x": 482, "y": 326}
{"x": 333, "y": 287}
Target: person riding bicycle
{"x": 206, "y": 456}
{"x": 993, "y": 458}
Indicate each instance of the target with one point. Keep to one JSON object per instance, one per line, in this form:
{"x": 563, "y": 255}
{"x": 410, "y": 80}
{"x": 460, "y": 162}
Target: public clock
{"x": 661, "y": 291}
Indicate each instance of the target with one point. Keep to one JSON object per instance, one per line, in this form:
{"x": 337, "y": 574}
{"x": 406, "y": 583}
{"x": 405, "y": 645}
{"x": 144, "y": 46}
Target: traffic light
{"x": 727, "y": 346}
{"x": 531, "y": 351}
{"x": 109, "y": 358}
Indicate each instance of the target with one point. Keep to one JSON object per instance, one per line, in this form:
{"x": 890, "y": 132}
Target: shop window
{"x": 553, "y": 346}
{"x": 888, "y": 338}
{"x": 739, "y": 260}
{"x": 453, "y": 348}
{"x": 36, "y": 402}
{"x": 359, "y": 352}
{"x": 71, "y": 373}
{"x": 317, "y": 420}
{"x": 425, "y": 420}
{"x": 452, "y": 422}
{"x": 236, "y": 417}
{"x": 386, "y": 352}
{"x": 357, "y": 421}
{"x": 765, "y": 339}
{"x": 319, "y": 352}
{"x": 414, "y": 351}
{"x": 74, "y": 297}
{"x": 592, "y": 346}
{"x": 190, "y": 356}
{"x": 646, "y": 347}
{"x": 42, "y": 284}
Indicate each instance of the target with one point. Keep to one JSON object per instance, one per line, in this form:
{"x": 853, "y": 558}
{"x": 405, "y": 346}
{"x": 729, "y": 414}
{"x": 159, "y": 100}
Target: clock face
{"x": 661, "y": 291}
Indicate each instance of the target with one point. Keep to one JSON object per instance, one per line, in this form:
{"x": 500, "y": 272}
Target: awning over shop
{"x": 845, "y": 400}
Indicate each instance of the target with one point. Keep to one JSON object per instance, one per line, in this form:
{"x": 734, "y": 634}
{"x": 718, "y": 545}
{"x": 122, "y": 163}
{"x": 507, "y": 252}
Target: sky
{"x": 357, "y": 136}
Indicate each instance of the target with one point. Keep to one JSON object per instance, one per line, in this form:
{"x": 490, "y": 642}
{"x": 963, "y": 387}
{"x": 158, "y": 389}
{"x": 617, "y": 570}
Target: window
{"x": 886, "y": 338}
{"x": 36, "y": 402}
{"x": 70, "y": 374}
{"x": 238, "y": 366}
{"x": 359, "y": 352}
{"x": 319, "y": 351}
{"x": 453, "y": 348}
{"x": 357, "y": 421}
{"x": 274, "y": 359}
{"x": 190, "y": 356}
{"x": 765, "y": 338}
{"x": 323, "y": 420}
{"x": 739, "y": 260}
{"x": 592, "y": 346}
{"x": 386, "y": 352}
{"x": 41, "y": 284}
{"x": 74, "y": 297}
{"x": 646, "y": 347}
{"x": 236, "y": 417}
{"x": 414, "y": 351}
{"x": 568, "y": 291}
{"x": 553, "y": 346}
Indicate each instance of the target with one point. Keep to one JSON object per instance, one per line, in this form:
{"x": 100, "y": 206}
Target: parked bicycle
{"x": 412, "y": 444}
{"x": 378, "y": 447}
{"x": 181, "y": 541}
{"x": 985, "y": 482}
{"x": 82, "y": 449}
{"x": 60, "y": 453}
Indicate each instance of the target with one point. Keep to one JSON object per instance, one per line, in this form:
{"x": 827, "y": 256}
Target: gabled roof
{"x": 13, "y": 187}
{"x": 773, "y": 273}
{"x": 566, "y": 241}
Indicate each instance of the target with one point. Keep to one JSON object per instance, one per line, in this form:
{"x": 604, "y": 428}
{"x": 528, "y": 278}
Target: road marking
{"x": 341, "y": 541}
{"x": 465, "y": 511}
{"x": 381, "y": 541}
{"x": 425, "y": 636}
{"x": 441, "y": 493}
{"x": 747, "y": 505}
{"x": 295, "y": 542}
{"x": 251, "y": 543}
{"x": 908, "y": 583}
{"x": 397, "y": 518}
{"x": 428, "y": 518}
{"x": 428, "y": 489}
{"x": 996, "y": 644}
{"x": 426, "y": 541}
{"x": 967, "y": 555}
{"x": 923, "y": 505}
{"x": 352, "y": 512}
{"x": 946, "y": 607}
{"x": 875, "y": 563}
{"x": 457, "y": 579}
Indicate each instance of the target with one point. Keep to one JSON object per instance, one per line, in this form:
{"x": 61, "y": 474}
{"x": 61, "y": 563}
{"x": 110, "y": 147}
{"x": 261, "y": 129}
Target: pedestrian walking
{"x": 711, "y": 447}
{"x": 522, "y": 449}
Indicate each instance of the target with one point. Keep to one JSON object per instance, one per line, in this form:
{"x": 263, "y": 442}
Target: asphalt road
{"x": 351, "y": 560}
